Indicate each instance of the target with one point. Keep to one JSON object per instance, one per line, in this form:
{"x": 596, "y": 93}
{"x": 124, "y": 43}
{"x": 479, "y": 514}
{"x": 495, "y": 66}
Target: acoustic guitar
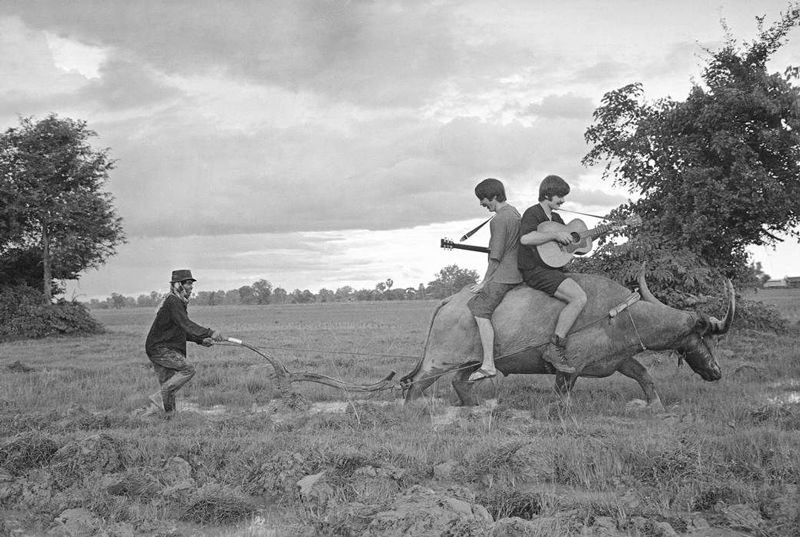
{"x": 556, "y": 255}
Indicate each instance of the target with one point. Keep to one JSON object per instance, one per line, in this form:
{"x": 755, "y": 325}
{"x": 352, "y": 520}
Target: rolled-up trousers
{"x": 173, "y": 372}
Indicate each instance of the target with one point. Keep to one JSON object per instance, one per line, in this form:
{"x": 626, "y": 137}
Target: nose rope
{"x": 636, "y": 330}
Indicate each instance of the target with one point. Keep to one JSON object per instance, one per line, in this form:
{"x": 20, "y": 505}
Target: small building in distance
{"x": 783, "y": 283}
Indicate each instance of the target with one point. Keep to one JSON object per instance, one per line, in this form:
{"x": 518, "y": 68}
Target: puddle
{"x": 329, "y": 407}
{"x": 788, "y": 398}
{"x": 216, "y": 410}
{"x": 790, "y": 392}
{"x": 447, "y": 415}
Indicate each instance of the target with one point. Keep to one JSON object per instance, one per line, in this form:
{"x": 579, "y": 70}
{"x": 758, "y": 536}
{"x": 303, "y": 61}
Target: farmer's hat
{"x": 181, "y": 275}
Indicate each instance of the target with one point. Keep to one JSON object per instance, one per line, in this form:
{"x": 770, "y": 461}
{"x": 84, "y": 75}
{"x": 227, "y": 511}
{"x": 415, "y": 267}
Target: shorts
{"x": 486, "y": 301}
{"x": 544, "y": 279}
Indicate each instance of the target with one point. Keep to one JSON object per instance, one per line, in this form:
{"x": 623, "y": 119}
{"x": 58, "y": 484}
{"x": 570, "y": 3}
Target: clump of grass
{"x": 786, "y": 417}
{"x": 506, "y": 502}
{"x": 498, "y": 461}
{"x": 26, "y": 451}
{"x": 217, "y": 504}
{"x": 135, "y": 484}
{"x": 71, "y": 463}
{"x": 278, "y": 474}
{"x": 707, "y": 497}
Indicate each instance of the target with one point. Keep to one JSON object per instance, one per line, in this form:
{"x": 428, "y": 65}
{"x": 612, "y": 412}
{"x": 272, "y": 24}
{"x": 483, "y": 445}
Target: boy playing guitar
{"x": 553, "y": 281}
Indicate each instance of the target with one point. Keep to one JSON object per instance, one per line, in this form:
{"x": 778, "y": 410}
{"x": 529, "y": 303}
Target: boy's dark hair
{"x": 552, "y": 185}
{"x": 491, "y": 189}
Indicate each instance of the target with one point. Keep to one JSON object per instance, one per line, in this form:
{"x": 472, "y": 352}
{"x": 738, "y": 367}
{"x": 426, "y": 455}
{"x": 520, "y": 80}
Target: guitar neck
{"x": 597, "y": 231}
{"x": 471, "y": 248}
{"x": 447, "y": 244}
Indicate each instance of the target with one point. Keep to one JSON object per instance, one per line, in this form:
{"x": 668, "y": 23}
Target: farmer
{"x": 166, "y": 341}
{"x": 553, "y": 281}
{"x": 502, "y": 274}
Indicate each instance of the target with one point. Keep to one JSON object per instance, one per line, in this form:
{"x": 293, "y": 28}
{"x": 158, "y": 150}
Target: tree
{"x": 51, "y": 180}
{"x": 380, "y": 291}
{"x": 716, "y": 173}
{"x": 758, "y": 275}
{"x": 451, "y": 279}
{"x": 246, "y": 295}
{"x": 344, "y": 293}
{"x": 279, "y": 295}
{"x": 117, "y": 301}
{"x": 262, "y": 291}
{"x": 301, "y": 297}
{"x": 326, "y": 295}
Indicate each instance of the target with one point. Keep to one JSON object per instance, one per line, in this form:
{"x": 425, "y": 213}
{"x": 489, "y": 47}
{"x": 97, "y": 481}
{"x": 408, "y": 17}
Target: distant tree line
{"x": 447, "y": 281}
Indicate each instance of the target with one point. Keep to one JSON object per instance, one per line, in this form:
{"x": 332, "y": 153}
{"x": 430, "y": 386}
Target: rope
{"x": 636, "y": 330}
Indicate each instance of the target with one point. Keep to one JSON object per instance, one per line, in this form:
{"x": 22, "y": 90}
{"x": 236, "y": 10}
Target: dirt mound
{"x": 217, "y": 504}
{"x": 135, "y": 484}
{"x": 279, "y": 475}
{"x": 95, "y": 454}
{"x": 424, "y": 511}
{"x": 19, "y": 367}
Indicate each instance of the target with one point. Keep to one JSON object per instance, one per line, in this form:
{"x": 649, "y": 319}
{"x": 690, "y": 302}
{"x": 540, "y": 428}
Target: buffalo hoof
{"x": 465, "y": 392}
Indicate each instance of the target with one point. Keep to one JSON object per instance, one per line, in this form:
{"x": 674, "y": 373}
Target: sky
{"x": 317, "y": 143}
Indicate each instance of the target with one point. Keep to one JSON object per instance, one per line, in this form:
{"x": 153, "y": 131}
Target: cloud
{"x": 358, "y": 51}
{"x": 180, "y": 176}
{"x": 568, "y": 106}
{"x": 124, "y": 85}
{"x": 604, "y": 72}
{"x": 30, "y": 78}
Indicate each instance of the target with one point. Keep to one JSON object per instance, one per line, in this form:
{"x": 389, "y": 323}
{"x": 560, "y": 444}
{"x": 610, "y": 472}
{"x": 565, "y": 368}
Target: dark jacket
{"x": 172, "y": 327}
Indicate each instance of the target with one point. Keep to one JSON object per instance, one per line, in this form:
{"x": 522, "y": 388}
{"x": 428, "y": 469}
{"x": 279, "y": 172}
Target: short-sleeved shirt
{"x": 504, "y": 245}
{"x": 528, "y": 255}
{"x": 172, "y": 327}
{"x": 534, "y": 271}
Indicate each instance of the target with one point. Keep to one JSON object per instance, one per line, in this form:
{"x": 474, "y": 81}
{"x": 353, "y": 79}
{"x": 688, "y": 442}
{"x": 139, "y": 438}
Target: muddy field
{"x": 82, "y": 452}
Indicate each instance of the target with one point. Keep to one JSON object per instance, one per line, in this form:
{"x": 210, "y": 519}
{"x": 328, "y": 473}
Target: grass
{"x": 531, "y": 455}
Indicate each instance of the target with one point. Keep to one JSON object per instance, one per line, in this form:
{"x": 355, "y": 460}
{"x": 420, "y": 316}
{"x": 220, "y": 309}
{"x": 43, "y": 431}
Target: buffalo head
{"x": 696, "y": 346}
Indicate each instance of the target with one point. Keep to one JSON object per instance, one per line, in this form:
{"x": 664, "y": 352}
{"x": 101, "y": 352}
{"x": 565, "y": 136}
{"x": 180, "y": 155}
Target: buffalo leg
{"x": 633, "y": 369}
{"x": 564, "y": 383}
{"x": 463, "y": 388}
{"x": 420, "y": 384}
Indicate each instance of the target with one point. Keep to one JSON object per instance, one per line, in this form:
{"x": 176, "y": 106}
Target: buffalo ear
{"x": 702, "y": 325}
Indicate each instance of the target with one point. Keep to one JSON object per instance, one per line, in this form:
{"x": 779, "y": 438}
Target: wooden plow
{"x": 284, "y": 378}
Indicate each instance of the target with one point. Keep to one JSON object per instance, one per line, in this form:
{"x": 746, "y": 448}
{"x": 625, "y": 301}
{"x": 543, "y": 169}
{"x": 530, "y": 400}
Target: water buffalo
{"x": 599, "y": 343}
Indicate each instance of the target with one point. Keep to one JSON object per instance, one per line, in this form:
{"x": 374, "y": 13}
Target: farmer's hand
{"x": 207, "y": 342}
{"x": 217, "y": 336}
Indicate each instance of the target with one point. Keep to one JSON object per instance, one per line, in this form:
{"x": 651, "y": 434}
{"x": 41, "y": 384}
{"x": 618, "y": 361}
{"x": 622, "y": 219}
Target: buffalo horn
{"x": 645, "y": 291}
{"x": 721, "y": 327}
